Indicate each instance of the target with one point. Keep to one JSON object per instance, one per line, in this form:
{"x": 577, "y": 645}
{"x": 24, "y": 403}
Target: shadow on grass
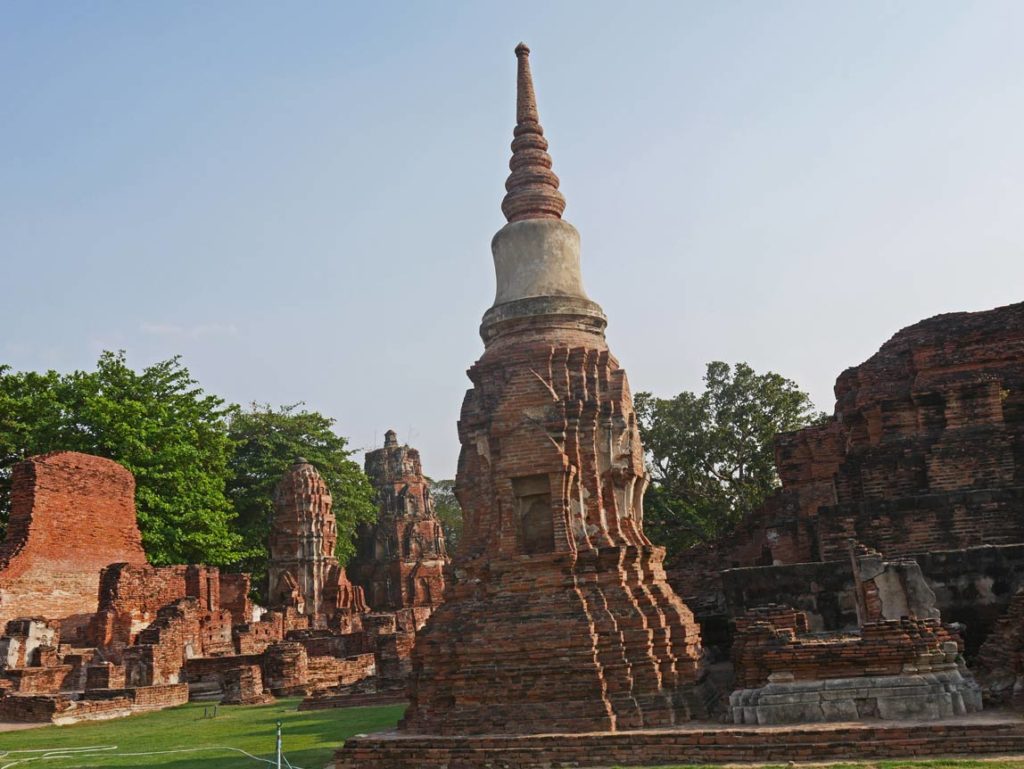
{"x": 309, "y": 737}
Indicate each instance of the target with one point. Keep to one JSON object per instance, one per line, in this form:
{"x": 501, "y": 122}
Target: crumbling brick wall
{"x": 1000, "y": 663}
{"x": 23, "y": 639}
{"x": 243, "y": 685}
{"x": 234, "y": 596}
{"x": 773, "y": 640}
{"x": 41, "y": 680}
{"x": 104, "y": 675}
{"x": 130, "y": 598}
{"x": 72, "y": 514}
{"x": 254, "y": 637}
{"x": 286, "y": 668}
{"x": 162, "y": 648}
{"x": 400, "y": 559}
{"x": 924, "y": 453}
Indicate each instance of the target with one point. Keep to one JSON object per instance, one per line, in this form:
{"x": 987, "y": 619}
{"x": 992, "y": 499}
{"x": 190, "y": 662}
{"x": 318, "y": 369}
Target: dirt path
{"x": 14, "y": 726}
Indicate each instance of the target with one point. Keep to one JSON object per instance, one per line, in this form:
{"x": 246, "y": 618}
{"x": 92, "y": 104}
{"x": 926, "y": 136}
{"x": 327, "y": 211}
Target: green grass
{"x": 310, "y": 737}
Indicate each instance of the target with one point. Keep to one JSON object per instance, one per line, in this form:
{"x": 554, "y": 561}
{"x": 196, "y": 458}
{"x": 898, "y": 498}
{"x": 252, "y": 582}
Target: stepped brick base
{"x": 356, "y": 700}
{"x": 988, "y": 734}
{"x": 584, "y": 641}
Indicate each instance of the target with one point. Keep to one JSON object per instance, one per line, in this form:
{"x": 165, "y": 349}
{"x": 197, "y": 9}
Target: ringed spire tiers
{"x": 537, "y": 254}
{"x": 532, "y": 187}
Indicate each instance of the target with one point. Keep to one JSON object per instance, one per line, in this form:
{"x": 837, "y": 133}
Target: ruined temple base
{"x": 926, "y": 696}
{"x": 328, "y": 701}
{"x": 97, "y": 705}
{"x": 586, "y": 641}
{"x": 990, "y": 734}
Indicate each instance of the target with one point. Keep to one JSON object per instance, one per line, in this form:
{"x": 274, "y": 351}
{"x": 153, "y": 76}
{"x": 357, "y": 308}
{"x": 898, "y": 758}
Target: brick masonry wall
{"x": 161, "y": 649}
{"x": 677, "y": 747}
{"x": 559, "y": 615}
{"x": 131, "y": 597}
{"x": 768, "y": 644}
{"x": 400, "y": 560}
{"x": 68, "y": 708}
{"x": 44, "y": 571}
{"x": 1000, "y": 664}
{"x": 924, "y": 455}
{"x": 925, "y": 451}
{"x": 234, "y": 596}
{"x": 41, "y": 680}
{"x": 972, "y": 586}
{"x": 254, "y": 637}
{"x": 243, "y": 685}
{"x": 286, "y": 669}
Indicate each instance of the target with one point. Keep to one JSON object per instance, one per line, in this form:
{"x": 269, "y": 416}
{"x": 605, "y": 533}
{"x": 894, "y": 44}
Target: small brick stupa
{"x": 559, "y": 617}
{"x": 303, "y": 572}
{"x": 401, "y": 558}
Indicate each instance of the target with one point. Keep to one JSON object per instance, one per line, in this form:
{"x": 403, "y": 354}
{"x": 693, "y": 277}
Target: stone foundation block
{"x": 928, "y": 696}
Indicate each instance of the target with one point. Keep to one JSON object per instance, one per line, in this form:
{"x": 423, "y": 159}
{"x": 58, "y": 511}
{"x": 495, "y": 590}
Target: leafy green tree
{"x": 711, "y": 456}
{"x": 448, "y": 511}
{"x": 267, "y": 442}
{"x": 158, "y": 423}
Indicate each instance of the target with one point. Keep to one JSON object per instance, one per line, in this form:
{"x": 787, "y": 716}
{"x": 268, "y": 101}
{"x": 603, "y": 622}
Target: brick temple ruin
{"x": 44, "y": 572}
{"x": 303, "y": 573}
{"x": 922, "y": 460}
{"x": 397, "y": 576}
{"x": 869, "y": 609}
{"x": 98, "y": 632}
{"x": 856, "y": 595}
{"x": 559, "y": 616}
{"x": 400, "y": 560}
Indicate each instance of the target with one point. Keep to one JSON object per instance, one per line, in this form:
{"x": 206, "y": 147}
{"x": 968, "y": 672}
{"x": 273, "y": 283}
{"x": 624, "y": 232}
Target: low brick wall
{"x": 881, "y": 649}
{"x": 60, "y": 708}
{"x": 206, "y": 675}
{"x": 329, "y": 672}
{"x": 686, "y": 745}
{"x": 158, "y": 697}
{"x": 72, "y": 707}
{"x": 355, "y": 700}
{"x": 40, "y": 680}
{"x": 972, "y": 586}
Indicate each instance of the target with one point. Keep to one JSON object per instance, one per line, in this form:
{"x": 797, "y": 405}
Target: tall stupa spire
{"x": 532, "y": 187}
{"x": 537, "y": 253}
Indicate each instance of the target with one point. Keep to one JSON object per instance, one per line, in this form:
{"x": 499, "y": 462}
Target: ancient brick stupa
{"x": 559, "y": 617}
{"x": 303, "y": 572}
{"x": 71, "y": 515}
{"x": 401, "y": 558}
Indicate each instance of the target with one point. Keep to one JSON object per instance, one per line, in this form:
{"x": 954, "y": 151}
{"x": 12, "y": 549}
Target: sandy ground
{"x": 14, "y": 726}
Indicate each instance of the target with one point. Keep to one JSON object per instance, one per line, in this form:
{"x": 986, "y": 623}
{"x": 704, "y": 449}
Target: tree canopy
{"x": 711, "y": 455}
{"x": 448, "y": 510}
{"x": 205, "y": 470}
{"x": 267, "y": 441}
{"x": 158, "y": 423}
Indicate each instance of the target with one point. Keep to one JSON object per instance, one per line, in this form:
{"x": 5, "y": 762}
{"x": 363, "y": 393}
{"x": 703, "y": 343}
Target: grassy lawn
{"x": 180, "y": 738}
{"x": 309, "y": 738}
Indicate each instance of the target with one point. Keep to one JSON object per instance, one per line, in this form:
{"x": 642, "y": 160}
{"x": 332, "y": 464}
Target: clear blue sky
{"x": 299, "y": 197}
